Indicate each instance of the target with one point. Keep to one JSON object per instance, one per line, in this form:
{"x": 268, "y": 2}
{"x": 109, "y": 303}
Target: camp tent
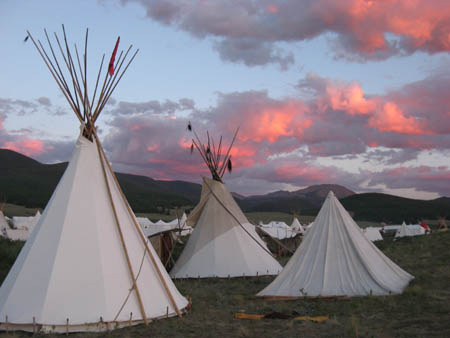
{"x": 405, "y": 231}
{"x": 336, "y": 259}
{"x": 3, "y": 224}
{"x": 87, "y": 265}
{"x": 372, "y": 234}
{"x": 223, "y": 242}
{"x": 297, "y": 226}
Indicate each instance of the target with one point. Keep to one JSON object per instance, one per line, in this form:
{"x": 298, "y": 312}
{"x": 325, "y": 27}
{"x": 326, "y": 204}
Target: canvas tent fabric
{"x": 223, "y": 242}
{"x": 73, "y": 266}
{"x": 87, "y": 266}
{"x": 372, "y": 234}
{"x": 296, "y": 226}
{"x": 3, "y": 224}
{"x": 279, "y": 232}
{"x": 409, "y": 231}
{"x": 336, "y": 259}
{"x": 22, "y": 222}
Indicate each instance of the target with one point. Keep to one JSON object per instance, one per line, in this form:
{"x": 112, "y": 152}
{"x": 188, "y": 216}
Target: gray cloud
{"x": 253, "y": 52}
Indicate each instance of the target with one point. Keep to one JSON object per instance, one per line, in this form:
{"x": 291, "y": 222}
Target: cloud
{"x": 425, "y": 178}
{"x": 330, "y": 131}
{"x": 253, "y": 52}
{"x": 357, "y": 29}
{"x": 152, "y": 107}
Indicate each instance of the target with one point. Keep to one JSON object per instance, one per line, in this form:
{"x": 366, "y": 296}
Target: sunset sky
{"x": 350, "y": 92}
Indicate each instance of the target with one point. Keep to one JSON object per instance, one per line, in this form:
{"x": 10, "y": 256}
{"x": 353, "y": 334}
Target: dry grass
{"x": 421, "y": 311}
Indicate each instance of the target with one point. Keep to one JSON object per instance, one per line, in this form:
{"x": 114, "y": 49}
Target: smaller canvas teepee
{"x": 336, "y": 259}
{"x": 296, "y": 226}
{"x": 404, "y": 231}
{"x": 223, "y": 243}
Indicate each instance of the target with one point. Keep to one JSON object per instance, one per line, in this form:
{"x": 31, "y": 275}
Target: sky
{"x": 349, "y": 92}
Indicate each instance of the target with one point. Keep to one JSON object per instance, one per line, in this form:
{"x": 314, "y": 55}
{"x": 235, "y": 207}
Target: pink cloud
{"x": 391, "y": 118}
{"x": 363, "y": 29}
{"x": 29, "y": 147}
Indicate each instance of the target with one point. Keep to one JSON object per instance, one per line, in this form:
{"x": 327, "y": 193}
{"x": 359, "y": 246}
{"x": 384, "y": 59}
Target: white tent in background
{"x": 223, "y": 242}
{"x": 404, "y": 231}
{"x": 278, "y": 230}
{"x": 336, "y": 259}
{"x": 372, "y": 234}
{"x": 3, "y": 224}
{"x": 144, "y": 222}
{"x": 297, "y": 227}
{"x": 17, "y": 234}
{"x": 22, "y": 222}
{"x": 87, "y": 265}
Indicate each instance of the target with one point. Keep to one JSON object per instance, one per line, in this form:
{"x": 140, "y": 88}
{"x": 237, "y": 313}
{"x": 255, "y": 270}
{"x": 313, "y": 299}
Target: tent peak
{"x": 69, "y": 68}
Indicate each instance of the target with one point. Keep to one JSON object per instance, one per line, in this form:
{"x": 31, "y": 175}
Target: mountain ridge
{"x": 25, "y": 181}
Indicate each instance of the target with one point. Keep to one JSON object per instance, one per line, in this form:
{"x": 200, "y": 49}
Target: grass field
{"x": 423, "y": 310}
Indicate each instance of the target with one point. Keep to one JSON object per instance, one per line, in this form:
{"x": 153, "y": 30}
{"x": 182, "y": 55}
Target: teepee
{"x": 297, "y": 226}
{"x": 336, "y": 259}
{"x": 223, "y": 243}
{"x": 404, "y": 231}
{"x": 87, "y": 265}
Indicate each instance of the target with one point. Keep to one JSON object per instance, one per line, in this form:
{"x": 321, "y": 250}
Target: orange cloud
{"x": 27, "y": 147}
{"x": 272, "y": 8}
{"x": 391, "y": 118}
{"x": 272, "y": 122}
{"x": 153, "y": 147}
{"x": 349, "y": 98}
{"x": 289, "y": 172}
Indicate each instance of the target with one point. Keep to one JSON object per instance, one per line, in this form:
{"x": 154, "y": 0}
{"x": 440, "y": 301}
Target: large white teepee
{"x": 223, "y": 242}
{"x": 336, "y": 259}
{"x": 87, "y": 265}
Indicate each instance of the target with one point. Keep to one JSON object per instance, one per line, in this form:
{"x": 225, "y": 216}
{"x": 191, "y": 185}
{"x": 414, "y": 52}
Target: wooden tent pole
{"x": 137, "y": 227}
{"x": 122, "y": 240}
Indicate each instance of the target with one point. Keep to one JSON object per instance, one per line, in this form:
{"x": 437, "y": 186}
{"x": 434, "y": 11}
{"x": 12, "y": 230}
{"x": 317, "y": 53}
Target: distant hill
{"x": 388, "y": 208}
{"x": 303, "y": 201}
{"x": 26, "y": 182}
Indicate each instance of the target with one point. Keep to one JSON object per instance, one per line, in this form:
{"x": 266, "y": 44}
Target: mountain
{"x": 316, "y": 194}
{"x": 388, "y": 208}
{"x": 303, "y": 201}
{"x": 27, "y": 182}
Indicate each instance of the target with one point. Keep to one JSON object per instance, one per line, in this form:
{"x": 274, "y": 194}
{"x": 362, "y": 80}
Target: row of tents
{"x": 89, "y": 266}
{"x": 18, "y": 227}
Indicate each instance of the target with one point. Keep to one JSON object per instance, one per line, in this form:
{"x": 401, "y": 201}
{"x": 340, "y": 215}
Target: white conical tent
{"x": 296, "y": 226}
{"x": 223, "y": 242}
{"x": 87, "y": 265}
{"x": 404, "y": 231}
{"x": 74, "y": 267}
{"x": 336, "y": 259}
